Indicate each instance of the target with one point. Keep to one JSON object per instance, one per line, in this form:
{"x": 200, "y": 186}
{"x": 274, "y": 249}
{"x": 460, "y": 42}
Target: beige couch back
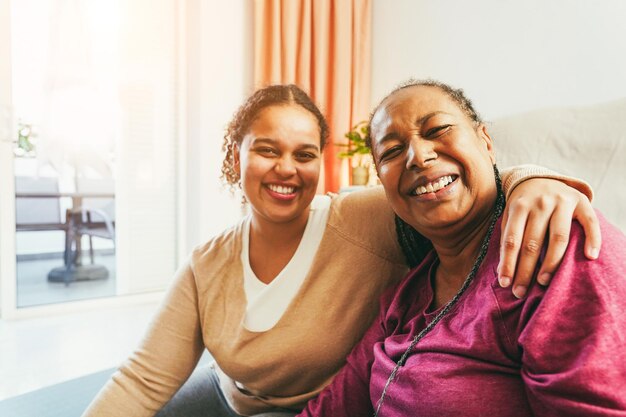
{"x": 585, "y": 142}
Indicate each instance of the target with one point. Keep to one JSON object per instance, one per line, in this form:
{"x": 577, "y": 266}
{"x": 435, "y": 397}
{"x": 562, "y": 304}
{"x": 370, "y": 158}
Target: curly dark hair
{"x": 273, "y": 95}
{"x": 455, "y": 94}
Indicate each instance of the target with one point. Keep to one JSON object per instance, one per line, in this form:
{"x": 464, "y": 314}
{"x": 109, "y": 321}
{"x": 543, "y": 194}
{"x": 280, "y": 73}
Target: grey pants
{"x": 201, "y": 396}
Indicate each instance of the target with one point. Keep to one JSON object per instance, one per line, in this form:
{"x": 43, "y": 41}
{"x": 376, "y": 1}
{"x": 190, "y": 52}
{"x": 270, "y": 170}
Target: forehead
{"x": 286, "y": 123}
{"x": 410, "y": 104}
{"x": 285, "y": 112}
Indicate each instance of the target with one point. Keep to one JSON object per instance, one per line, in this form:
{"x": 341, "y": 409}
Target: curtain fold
{"x": 324, "y": 47}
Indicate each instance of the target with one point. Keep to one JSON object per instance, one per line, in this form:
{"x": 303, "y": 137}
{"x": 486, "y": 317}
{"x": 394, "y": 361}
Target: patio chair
{"x": 95, "y": 217}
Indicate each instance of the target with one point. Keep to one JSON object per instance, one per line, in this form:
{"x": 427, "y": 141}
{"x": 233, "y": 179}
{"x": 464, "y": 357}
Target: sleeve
{"x": 164, "y": 360}
{"x": 512, "y": 177}
{"x": 348, "y": 395}
{"x": 572, "y": 334}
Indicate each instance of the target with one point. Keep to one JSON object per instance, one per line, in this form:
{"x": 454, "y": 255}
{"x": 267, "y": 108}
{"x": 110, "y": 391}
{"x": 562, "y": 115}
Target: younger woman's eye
{"x": 306, "y": 156}
{"x": 265, "y": 150}
{"x": 437, "y": 131}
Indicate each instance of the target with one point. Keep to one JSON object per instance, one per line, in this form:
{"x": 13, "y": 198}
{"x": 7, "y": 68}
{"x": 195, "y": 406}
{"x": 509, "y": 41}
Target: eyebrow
{"x": 393, "y": 135}
{"x": 274, "y": 142}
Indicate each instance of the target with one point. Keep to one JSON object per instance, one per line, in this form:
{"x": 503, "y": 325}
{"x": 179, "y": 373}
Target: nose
{"x": 420, "y": 154}
{"x": 285, "y": 167}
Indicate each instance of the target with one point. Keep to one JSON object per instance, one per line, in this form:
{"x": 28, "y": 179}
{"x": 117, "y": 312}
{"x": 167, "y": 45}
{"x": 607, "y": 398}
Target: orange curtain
{"x": 323, "y": 46}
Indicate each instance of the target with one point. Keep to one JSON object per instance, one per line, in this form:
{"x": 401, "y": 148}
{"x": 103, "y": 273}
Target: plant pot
{"x": 360, "y": 175}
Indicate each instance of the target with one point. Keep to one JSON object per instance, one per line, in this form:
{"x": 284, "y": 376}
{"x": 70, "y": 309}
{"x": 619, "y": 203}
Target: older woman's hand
{"x": 535, "y": 207}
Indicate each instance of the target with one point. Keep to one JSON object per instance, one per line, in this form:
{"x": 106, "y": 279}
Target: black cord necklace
{"x": 499, "y": 207}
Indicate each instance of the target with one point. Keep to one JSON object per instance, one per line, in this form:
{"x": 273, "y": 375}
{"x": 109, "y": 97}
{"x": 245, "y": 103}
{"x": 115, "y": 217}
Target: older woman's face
{"x": 434, "y": 162}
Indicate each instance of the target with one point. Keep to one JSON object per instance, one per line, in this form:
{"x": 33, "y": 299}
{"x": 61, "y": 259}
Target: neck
{"x": 272, "y": 245}
{"x": 457, "y": 254}
{"x": 277, "y": 233}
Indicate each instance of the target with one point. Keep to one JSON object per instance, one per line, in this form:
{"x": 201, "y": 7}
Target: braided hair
{"x": 414, "y": 245}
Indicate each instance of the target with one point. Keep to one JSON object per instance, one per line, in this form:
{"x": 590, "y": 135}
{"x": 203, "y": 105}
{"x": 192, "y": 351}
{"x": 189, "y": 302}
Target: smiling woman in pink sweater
{"x": 449, "y": 341}
{"x": 280, "y": 299}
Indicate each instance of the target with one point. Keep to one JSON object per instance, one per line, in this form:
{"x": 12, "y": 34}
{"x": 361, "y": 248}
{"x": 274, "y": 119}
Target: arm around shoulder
{"x": 513, "y": 176}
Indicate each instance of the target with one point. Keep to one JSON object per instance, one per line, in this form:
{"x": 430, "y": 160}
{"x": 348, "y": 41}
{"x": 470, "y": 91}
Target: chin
{"x": 283, "y": 217}
{"x": 432, "y": 221}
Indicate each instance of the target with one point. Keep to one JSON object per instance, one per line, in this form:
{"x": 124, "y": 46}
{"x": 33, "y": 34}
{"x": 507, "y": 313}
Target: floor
{"x": 35, "y": 353}
{"x": 67, "y": 399}
{"x": 33, "y": 287}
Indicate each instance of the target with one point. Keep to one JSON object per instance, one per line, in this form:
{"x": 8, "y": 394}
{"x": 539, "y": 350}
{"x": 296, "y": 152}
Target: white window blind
{"x": 147, "y": 145}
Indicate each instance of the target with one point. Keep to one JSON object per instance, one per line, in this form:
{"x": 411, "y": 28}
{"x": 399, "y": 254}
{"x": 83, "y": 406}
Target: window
{"x": 94, "y": 106}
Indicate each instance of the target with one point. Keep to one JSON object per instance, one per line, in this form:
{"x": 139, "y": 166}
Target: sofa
{"x": 586, "y": 142}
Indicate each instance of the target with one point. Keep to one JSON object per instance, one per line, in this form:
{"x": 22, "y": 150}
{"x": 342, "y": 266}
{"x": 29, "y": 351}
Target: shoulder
{"x": 581, "y": 291}
{"x": 362, "y": 201}
{"x": 365, "y": 219}
{"x": 221, "y": 249}
{"x": 580, "y": 312}
{"x": 612, "y": 254}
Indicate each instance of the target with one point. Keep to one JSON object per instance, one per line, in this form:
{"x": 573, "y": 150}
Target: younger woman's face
{"x": 279, "y": 163}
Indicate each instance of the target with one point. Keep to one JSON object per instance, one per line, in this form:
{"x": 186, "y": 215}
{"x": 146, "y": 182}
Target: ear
{"x": 486, "y": 138}
{"x": 236, "y": 158}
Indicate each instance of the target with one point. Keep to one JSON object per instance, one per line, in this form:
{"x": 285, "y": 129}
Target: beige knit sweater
{"x": 289, "y": 364}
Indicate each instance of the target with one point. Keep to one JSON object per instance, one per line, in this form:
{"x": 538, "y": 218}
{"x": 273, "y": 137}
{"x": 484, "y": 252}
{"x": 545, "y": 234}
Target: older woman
{"x": 281, "y": 298}
{"x": 449, "y": 341}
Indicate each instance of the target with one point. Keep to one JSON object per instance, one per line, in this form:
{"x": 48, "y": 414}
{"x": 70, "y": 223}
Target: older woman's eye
{"x": 437, "y": 131}
{"x": 390, "y": 153}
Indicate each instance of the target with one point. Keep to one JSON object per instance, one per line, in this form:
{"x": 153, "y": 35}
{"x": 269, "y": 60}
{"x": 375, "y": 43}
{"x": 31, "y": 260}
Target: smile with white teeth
{"x": 433, "y": 187}
{"x": 281, "y": 189}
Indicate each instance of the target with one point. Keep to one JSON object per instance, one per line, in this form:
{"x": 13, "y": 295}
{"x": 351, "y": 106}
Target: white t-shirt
{"x": 267, "y": 302}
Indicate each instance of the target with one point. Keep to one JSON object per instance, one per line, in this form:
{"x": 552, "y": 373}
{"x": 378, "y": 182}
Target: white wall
{"x": 508, "y": 56}
{"x": 219, "y": 77}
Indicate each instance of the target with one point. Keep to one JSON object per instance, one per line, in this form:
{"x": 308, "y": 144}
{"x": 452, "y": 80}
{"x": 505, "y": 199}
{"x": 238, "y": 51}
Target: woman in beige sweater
{"x": 279, "y": 299}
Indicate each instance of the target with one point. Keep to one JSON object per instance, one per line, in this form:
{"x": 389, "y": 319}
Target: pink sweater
{"x": 561, "y": 351}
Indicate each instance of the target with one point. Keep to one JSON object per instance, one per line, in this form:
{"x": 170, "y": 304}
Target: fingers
{"x": 560, "y": 226}
{"x": 505, "y": 281}
{"x": 588, "y": 219}
{"x": 513, "y": 225}
{"x": 530, "y": 249}
{"x": 544, "y": 206}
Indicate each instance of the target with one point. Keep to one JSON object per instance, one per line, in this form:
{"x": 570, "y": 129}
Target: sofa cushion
{"x": 585, "y": 142}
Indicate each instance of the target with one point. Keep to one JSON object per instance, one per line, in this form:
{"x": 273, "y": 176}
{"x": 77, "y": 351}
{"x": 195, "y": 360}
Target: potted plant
{"x": 358, "y": 152}
{"x": 25, "y": 146}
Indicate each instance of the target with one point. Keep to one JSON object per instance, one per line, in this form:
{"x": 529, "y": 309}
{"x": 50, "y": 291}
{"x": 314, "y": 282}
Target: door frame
{"x": 7, "y": 187}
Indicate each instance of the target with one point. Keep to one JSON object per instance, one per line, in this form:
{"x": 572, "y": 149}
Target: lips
{"x": 434, "y": 185}
{"x": 282, "y": 189}
{"x": 282, "y": 192}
